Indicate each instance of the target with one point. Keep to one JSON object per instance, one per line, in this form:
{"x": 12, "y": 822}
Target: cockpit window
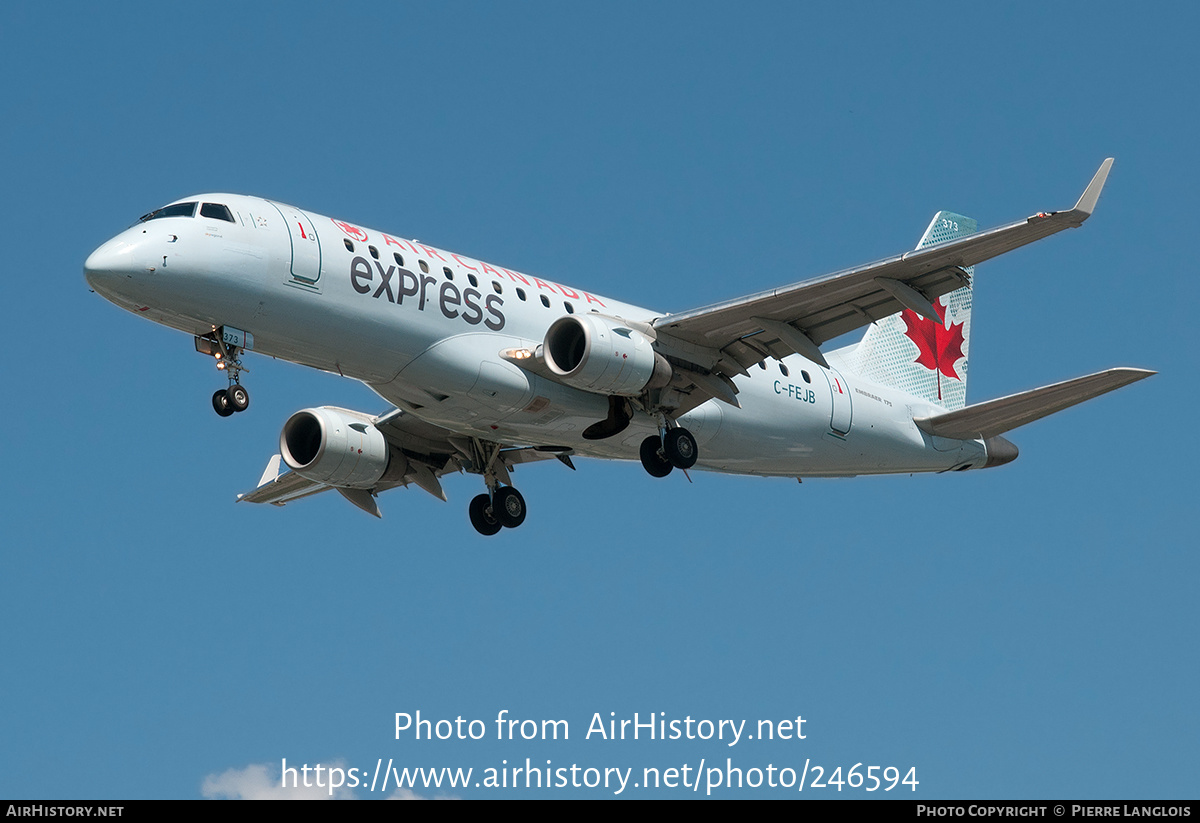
{"x": 215, "y": 211}
{"x": 176, "y": 210}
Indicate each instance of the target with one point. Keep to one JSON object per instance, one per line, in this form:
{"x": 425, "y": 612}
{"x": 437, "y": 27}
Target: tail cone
{"x": 999, "y": 451}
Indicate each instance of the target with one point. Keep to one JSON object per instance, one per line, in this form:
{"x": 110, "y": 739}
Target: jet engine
{"x": 330, "y": 446}
{"x": 603, "y": 355}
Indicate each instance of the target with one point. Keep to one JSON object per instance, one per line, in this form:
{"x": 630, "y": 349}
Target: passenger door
{"x": 306, "y": 247}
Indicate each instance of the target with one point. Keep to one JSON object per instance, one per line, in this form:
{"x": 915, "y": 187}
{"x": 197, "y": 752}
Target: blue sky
{"x": 1024, "y": 632}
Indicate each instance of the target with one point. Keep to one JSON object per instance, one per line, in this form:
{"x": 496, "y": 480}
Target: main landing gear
{"x": 676, "y": 448}
{"x": 503, "y": 508}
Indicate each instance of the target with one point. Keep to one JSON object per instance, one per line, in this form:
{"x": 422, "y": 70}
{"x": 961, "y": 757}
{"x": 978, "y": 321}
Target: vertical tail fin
{"x": 916, "y": 355}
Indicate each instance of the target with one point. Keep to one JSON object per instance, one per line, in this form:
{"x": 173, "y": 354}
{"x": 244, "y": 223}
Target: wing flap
{"x": 993, "y": 418}
{"x": 278, "y": 489}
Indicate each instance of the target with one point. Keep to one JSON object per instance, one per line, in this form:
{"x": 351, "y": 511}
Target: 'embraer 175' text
{"x": 394, "y": 284}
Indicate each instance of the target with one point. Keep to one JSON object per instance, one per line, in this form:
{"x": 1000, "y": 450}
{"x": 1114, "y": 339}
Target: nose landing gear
{"x": 228, "y": 356}
{"x": 233, "y": 399}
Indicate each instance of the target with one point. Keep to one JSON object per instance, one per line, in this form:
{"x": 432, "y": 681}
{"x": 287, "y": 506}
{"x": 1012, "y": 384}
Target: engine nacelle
{"x": 603, "y": 355}
{"x": 329, "y": 446}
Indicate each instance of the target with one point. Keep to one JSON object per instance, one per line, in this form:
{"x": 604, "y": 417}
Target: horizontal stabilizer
{"x": 983, "y": 420}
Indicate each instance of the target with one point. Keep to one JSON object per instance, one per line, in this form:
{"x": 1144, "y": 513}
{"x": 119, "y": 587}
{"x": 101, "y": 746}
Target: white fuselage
{"x": 425, "y": 327}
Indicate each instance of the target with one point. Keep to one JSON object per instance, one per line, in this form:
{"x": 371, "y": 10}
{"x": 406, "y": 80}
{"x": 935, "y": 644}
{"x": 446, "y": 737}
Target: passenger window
{"x": 216, "y": 211}
{"x": 762, "y": 364}
{"x": 424, "y": 266}
{"x": 473, "y": 279}
{"x": 545, "y": 301}
{"x": 807, "y": 379}
{"x": 374, "y": 252}
{"x": 349, "y": 245}
{"x": 783, "y": 370}
{"x": 399, "y": 260}
{"x": 570, "y": 309}
{"x": 496, "y": 288}
{"x": 446, "y": 271}
{"x": 177, "y": 210}
{"x": 521, "y": 293}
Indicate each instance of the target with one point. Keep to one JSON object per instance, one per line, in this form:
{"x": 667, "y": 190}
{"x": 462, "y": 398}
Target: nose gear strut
{"x": 235, "y": 398}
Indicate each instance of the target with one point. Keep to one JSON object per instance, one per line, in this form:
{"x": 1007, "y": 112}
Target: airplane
{"x": 486, "y": 368}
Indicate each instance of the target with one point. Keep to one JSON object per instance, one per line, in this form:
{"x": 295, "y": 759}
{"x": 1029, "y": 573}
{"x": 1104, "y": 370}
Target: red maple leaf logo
{"x": 353, "y": 231}
{"x": 939, "y": 347}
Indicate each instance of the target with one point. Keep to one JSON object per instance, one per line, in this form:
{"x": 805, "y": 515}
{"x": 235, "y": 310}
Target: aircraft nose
{"x": 107, "y": 263}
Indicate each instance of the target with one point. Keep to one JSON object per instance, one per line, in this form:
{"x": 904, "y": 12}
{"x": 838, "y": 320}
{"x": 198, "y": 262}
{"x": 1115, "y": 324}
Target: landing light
{"x": 518, "y": 354}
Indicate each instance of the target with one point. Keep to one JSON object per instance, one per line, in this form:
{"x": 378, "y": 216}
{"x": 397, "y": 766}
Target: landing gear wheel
{"x": 480, "y": 512}
{"x": 680, "y": 448}
{"x": 237, "y": 398}
{"x": 221, "y": 403}
{"x": 653, "y": 461}
{"x": 508, "y": 507}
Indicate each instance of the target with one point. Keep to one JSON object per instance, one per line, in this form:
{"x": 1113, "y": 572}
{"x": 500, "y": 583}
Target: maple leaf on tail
{"x": 939, "y": 347}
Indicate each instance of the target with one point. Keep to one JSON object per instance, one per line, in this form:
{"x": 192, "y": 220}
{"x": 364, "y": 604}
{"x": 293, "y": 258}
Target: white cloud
{"x": 260, "y": 781}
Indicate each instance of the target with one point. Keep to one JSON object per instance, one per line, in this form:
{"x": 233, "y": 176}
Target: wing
{"x": 725, "y": 338}
{"x": 431, "y": 452}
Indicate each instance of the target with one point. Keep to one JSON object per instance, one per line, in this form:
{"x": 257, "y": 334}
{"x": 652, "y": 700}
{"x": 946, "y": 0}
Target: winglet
{"x": 1087, "y": 201}
{"x": 271, "y": 473}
